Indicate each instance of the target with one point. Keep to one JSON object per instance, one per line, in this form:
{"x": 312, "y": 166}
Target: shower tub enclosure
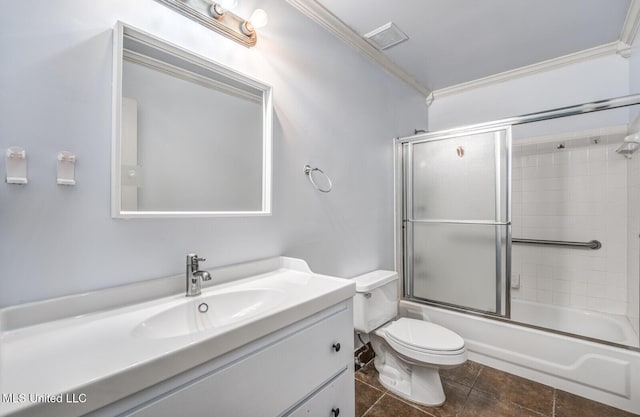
{"x": 523, "y": 236}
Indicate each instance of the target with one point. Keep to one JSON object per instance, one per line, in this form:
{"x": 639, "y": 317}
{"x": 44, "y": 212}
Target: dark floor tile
{"x": 369, "y": 375}
{"x": 569, "y": 405}
{"x": 456, "y": 395}
{"x": 390, "y": 406}
{"x": 366, "y": 396}
{"x": 512, "y": 388}
{"x": 464, "y": 374}
{"x": 483, "y": 405}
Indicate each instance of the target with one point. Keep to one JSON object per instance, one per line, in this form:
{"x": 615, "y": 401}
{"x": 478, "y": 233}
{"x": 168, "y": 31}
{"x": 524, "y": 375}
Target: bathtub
{"x": 607, "y": 374}
{"x": 609, "y": 327}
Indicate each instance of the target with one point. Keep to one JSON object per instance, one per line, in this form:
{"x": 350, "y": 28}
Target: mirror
{"x": 192, "y": 138}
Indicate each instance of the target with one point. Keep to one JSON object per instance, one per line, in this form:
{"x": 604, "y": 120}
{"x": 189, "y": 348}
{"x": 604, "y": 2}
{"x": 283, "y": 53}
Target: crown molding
{"x": 616, "y": 47}
{"x": 631, "y": 23}
{"x": 321, "y": 15}
{"x": 624, "y": 50}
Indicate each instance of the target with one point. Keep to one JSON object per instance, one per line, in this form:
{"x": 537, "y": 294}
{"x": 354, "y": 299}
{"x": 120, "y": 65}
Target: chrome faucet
{"x": 195, "y": 276}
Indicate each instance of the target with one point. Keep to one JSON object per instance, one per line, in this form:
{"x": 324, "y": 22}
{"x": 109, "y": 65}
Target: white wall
{"x": 634, "y": 67}
{"x": 633, "y": 263}
{"x": 332, "y": 108}
{"x": 583, "y": 82}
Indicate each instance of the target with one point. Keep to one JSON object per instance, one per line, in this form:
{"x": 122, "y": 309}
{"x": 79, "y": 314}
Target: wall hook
{"x": 16, "y": 165}
{"x": 66, "y": 168}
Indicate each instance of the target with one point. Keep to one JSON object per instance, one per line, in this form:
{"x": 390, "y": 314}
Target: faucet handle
{"x": 193, "y": 258}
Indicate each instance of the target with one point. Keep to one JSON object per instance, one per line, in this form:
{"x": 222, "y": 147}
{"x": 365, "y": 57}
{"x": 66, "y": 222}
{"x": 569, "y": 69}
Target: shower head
{"x": 630, "y": 144}
{"x": 634, "y": 138}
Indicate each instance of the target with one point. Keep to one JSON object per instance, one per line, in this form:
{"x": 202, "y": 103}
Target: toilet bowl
{"x": 409, "y": 352}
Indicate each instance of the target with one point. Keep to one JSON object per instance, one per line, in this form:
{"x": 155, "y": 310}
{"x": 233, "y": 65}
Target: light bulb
{"x": 259, "y": 19}
{"x": 227, "y": 4}
{"x": 216, "y": 10}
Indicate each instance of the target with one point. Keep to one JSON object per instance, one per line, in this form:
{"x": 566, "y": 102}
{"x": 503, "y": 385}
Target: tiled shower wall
{"x": 633, "y": 260}
{"x": 571, "y": 188}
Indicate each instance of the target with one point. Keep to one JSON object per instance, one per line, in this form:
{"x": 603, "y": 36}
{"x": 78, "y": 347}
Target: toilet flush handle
{"x": 336, "y": 347}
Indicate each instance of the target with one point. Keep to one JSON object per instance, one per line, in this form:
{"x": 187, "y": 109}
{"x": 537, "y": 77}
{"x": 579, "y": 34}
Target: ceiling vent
{"x": 386, "y": 36}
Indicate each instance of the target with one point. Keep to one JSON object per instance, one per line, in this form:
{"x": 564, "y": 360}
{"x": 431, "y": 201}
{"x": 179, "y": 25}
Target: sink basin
{"x": 206, "y": 312}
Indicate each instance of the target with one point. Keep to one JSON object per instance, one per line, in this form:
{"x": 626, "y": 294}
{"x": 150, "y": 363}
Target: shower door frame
{"x": 408, "y": 220}
{"x": 400, "y": 192}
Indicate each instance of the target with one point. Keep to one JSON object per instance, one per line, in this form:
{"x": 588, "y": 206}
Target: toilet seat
{"x": 424, "y": 336}
{"x": 424, "y": 342}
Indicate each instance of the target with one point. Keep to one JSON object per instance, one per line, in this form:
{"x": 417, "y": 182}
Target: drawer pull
{"x": 335, "y": 412}
{"x": 336, "y": 347}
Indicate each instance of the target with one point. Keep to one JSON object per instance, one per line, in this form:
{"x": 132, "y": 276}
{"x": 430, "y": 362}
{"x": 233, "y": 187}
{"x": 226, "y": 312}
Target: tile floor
{"x": 475, "y": 390}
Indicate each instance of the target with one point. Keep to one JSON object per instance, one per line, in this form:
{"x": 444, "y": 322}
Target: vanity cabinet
{"x": 332, "y": 401}
{"x": 305, "y": 369}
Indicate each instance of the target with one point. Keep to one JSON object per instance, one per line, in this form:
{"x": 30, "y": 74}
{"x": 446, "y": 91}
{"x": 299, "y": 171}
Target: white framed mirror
{"x": 191, "y": 138}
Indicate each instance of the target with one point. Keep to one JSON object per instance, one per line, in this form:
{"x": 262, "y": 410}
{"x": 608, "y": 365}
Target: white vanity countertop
{"x": 109, "y": 354}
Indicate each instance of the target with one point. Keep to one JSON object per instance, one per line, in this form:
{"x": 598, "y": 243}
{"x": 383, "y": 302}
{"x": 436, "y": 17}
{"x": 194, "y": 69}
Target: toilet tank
{"x": 376, "y": 300}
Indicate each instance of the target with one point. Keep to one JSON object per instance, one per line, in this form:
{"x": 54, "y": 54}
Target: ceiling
{"x": 458, "y": 41}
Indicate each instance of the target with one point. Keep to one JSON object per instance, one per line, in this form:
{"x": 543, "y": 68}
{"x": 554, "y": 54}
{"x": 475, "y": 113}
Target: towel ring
{"x": 308, "y": 171}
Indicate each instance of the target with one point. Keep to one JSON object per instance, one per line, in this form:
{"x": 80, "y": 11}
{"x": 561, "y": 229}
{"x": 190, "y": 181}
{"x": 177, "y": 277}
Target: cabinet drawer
{"x": 269, "y": 381}
{"x": 337, "y": 399}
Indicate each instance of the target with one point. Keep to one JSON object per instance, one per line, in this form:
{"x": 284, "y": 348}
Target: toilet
{"x": 409, "y": 352}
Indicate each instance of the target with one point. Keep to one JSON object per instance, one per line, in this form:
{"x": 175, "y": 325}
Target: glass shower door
{"x": 457, "y": 220}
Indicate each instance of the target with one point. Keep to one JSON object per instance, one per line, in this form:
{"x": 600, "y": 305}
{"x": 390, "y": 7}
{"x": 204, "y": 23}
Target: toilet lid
{"x": 423, "y": 335}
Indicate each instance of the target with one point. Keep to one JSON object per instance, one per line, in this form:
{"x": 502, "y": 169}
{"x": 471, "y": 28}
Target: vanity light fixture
{"x": 216, "y": 15}
{"x": 228, "y": 4}
{"x": 216, "y": 10}
{"x": 258, "y": 19}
